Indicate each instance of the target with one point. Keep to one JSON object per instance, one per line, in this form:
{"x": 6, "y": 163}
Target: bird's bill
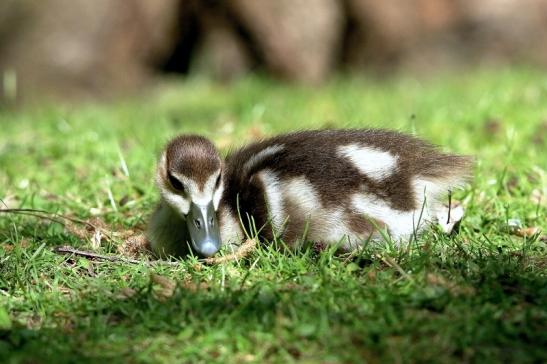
{"x": 203, "y": 229}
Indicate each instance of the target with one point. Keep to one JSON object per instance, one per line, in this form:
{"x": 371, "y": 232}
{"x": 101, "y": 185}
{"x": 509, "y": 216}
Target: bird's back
{"x": 337, "y": 183}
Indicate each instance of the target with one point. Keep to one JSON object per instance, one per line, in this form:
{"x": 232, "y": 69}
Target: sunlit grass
{"x": 477, "y": 296}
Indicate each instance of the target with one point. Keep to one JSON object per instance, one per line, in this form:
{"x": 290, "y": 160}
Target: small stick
{"x": 91, "y": 255}
{"x": 243, "y": 250}
{"x": 449, "y": 205}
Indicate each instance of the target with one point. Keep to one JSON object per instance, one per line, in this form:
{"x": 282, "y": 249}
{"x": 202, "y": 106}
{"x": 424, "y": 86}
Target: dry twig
{"x": 242, "y": 252}
{"x": 133, "y": 244}
{"x": 91, "y": 255}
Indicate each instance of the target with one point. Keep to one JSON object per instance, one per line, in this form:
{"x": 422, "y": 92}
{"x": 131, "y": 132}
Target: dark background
{"x": 72, "y": 49}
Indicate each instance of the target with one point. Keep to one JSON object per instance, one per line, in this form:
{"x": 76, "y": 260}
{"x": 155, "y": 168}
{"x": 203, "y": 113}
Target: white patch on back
{"x": 301, "y": 192}
{"x": 274, "y": 198}
{"x": 264, "y": 153}
{"x": 401, "y": 224}
{"x": 327, "y": 225}
{"x": 375, "y": 164}
{"x": 334, "y": 229}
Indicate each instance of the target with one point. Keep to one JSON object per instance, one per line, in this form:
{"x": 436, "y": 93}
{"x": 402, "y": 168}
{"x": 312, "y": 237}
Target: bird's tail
{"x": 449, "y": 171}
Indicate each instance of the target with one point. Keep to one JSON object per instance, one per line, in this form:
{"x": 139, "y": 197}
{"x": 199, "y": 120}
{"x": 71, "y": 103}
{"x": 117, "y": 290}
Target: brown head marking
{"x": 193, "y": 156}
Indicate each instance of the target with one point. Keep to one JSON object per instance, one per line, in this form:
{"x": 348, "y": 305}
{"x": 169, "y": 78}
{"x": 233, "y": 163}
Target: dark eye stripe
{"x": 177, "y": 185}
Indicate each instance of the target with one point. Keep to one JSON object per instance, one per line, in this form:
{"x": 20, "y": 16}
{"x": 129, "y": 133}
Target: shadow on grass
{"x": 504, "y": 318}
{"x": 118, "y": 329}
{"x": 330, "y": 311}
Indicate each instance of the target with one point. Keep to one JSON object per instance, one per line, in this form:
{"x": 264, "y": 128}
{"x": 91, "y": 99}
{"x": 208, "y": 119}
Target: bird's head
{"x": 190, "y": 182}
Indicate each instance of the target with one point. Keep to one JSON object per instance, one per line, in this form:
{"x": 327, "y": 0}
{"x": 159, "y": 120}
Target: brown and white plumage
{"x": 332, "y": 186}
{"x": 188, "y": 178}
{"x": 337, "y": 186}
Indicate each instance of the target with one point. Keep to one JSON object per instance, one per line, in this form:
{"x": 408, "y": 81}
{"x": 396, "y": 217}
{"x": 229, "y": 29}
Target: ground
{"x": 476, "y": 296}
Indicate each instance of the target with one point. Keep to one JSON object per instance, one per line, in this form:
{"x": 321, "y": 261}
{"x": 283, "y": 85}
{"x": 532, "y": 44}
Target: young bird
{"x": 337, "y": 187}
{"x": 188, "y": 177}
{"x": 330, "y": 186}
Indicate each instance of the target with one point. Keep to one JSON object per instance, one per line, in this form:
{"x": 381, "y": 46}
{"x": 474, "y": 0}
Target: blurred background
{"x": 76, "y": 49}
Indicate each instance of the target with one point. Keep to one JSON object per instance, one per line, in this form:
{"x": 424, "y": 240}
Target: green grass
{"x": 478, "y": 296}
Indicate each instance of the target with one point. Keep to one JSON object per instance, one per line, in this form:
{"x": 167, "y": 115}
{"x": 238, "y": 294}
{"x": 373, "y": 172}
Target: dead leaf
{"x": 193, "y": 286}
{"x": 134, "y": 245}
{"x": 163, "y": 281}
{"x": 76, "y": 230}
{"x": 125, "y": 293}
{"x": 526, "y": 232}
{"x": 126, "y": 234}
{"x": 166, "y": 286}
{"x": 97, "y": 223}
{"x": 93, "y": 230}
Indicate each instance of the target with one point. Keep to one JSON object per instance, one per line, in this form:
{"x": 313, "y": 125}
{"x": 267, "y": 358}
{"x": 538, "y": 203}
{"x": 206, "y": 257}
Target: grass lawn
{"x": 478, "y": 296}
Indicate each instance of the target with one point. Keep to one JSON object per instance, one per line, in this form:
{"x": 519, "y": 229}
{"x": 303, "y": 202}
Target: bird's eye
{"x": 177, "y": 185}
